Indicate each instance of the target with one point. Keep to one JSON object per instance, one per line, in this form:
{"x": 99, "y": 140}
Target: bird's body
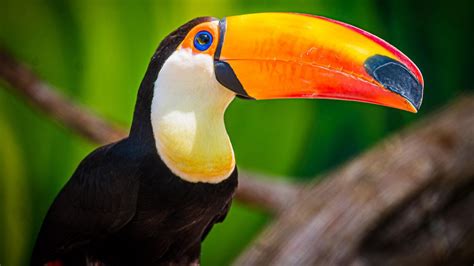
{"x": 144, "y": 216}
{"x": 124, "y": 206}
{"x": 151, "y": 198}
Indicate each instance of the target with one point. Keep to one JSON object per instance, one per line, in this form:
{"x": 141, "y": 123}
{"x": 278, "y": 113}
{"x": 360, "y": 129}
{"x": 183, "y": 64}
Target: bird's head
{"x": 285, "y": 55}
{"x": 265, "y": 56}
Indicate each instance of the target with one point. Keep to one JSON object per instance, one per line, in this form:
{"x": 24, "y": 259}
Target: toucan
{"x": 152, "y": 197}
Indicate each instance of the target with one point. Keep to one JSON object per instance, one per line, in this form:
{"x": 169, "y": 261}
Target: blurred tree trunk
{"x": 409, "y": 201}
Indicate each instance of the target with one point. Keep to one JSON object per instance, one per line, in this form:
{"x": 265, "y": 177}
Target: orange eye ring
{"x": 202, "y": 39}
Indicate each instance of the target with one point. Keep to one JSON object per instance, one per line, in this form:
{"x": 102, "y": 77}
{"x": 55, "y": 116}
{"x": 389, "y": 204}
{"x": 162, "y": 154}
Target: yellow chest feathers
{"x": 187, "y": 116}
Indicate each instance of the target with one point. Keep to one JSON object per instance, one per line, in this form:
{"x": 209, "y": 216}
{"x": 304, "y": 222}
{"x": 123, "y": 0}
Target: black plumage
{"x": 123, "y": 206}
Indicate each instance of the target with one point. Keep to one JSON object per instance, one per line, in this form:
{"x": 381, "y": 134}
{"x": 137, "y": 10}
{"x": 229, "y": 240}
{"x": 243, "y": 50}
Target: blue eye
{"x": 203, "y": 40}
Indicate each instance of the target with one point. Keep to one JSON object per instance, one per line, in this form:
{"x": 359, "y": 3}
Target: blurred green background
{"x": 97, "y": 52}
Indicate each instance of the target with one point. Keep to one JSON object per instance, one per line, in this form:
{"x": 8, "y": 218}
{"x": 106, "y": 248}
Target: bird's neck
{"x": 187, "y": 117}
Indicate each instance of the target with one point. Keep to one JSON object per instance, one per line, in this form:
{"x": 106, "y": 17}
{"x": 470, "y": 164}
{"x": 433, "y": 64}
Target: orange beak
{"x": 285, "y": 55}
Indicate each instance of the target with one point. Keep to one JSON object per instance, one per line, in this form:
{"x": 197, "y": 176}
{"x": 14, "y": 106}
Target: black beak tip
{"x": 394, "y": 76}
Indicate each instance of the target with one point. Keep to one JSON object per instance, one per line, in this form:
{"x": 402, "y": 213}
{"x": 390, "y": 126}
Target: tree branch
{"x": 26, "y": 84}
{"x": 254, "y": 191}
{"x": 408, "y": 201}
{"x": 268, "y": 195}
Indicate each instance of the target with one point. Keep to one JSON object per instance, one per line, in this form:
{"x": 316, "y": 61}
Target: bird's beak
{"x": 285, "y": 55}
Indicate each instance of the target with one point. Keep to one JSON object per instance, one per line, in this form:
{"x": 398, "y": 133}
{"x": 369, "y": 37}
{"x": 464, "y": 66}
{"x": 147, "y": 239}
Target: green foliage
{"x": 97, "y": 52}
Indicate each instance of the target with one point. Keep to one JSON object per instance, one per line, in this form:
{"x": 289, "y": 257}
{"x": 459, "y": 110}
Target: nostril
{"x": 395, "y": 77}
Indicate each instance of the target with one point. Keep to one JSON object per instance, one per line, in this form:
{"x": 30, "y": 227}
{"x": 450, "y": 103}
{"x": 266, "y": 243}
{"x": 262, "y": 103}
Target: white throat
{"x": 187, "y": 116}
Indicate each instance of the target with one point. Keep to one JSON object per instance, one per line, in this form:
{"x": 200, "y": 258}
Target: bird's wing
{"x": 99, "y": 199}
{"x": 219, "y": 218}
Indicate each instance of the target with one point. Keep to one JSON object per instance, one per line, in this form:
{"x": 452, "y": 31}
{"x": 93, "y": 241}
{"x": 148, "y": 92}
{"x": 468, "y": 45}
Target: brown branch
{"x": 254, "y": 191}
{"x": 26, "y": 84}
{"x": 268, "y": 195}
{"x": 408, "y": 201}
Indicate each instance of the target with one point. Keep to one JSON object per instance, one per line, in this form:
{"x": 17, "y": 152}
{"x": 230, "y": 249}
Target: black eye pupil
{"x": 203, "y": 39}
